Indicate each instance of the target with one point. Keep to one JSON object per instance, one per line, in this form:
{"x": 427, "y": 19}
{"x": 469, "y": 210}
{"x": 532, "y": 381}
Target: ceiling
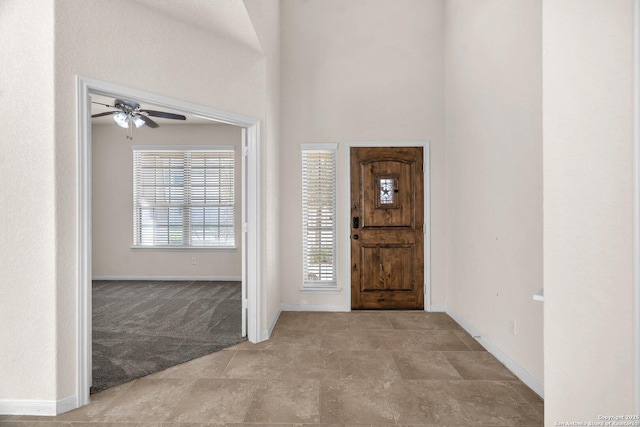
{"x": 230, "y": 22}
{"x": 227, "y": 19}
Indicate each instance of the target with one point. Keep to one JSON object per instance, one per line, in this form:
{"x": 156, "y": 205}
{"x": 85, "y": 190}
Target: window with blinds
{"x": 318, "y": 217}
{"x": 183, "y": 198}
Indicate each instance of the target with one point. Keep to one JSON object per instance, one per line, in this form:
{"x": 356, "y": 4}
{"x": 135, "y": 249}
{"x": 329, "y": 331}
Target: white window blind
{"x": 318, "y": 218}
{"x": 183, "y": 198}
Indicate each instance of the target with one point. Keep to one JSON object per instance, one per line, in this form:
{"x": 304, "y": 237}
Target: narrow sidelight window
{"x": 319, "y": 216}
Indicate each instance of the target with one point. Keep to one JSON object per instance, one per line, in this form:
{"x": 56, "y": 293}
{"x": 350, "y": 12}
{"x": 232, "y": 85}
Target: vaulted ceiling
{"x": 227, "y": 19}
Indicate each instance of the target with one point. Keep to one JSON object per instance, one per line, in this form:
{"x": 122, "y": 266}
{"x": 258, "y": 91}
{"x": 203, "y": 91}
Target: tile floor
{"x": 373, "y": 368}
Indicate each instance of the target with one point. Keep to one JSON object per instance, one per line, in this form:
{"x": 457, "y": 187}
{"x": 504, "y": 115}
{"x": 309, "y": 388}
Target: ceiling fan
{"x": 127, "y": 114}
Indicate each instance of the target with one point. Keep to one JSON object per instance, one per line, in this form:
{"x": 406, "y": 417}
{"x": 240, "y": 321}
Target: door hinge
{"x": 245, "y": 151}
{"x": 245, "y": 227}
{"x": 245, "y": 303}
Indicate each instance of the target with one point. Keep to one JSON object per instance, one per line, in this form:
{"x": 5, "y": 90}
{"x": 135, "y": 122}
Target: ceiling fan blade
{"x": 101, "y": 103}
{"x": 108, "y": 113}
{"x": 164, "y": 115}
{"x": 148, "y": 121}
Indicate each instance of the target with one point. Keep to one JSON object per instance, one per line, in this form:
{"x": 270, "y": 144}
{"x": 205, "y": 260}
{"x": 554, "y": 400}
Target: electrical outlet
{"x": 513, "y": 327}
{"x": 194, "y": 261}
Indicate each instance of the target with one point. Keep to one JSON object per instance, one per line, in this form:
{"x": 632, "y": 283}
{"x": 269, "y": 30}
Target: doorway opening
{"x": 250, "y": 161}
{"x": 166, "y": 240}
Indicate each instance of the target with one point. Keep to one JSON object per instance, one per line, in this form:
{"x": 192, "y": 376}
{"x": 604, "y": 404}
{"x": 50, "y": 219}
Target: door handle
{"x": 355, "y": 237}
{"x": 356, "y": 222}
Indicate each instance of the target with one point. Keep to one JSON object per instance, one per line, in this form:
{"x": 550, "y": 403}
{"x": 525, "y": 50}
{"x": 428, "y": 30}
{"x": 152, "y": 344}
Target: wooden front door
{"x": 387, "y": 233}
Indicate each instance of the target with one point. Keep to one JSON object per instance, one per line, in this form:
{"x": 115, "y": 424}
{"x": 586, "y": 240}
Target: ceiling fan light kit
{"x": 123, "y": 120}
{"x": 129, "y": 115}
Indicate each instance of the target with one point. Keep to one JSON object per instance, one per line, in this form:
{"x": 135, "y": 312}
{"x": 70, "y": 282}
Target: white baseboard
{"x": 437, "y": 308}
{"x": 533, "y": 383}
{"x": 67, "y": 404}
{"x": 267, "y": 334}
{"x": 173, "y": 278}
{"x": 38, "y": 407}
{"x": 309, "y": 307}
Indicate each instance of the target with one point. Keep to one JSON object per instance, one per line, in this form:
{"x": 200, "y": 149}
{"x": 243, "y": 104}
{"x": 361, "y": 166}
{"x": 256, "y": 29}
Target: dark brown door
{"x": 387, "y": 234}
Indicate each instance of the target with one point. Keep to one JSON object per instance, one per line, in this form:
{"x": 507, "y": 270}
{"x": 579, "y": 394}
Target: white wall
{"x": 358, "y": 71}
{"x": 265, "y": 17}
{"x": 494, "y": 172}
{"x": 588, "y": 195}
{"x": 112, "y": 224}
{"x": 178, "y": 60}
{"x": 27, "y": 202}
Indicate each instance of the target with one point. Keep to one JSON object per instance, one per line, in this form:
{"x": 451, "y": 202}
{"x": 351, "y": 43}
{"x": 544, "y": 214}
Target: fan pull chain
{"x": 130, "y": 129}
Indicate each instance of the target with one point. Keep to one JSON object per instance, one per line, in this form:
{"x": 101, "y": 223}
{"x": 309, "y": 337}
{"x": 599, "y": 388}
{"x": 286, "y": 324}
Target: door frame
{"x": 344, "y": 243}
{"x": 636, "y": 197}
{"x": 250, "y": 212}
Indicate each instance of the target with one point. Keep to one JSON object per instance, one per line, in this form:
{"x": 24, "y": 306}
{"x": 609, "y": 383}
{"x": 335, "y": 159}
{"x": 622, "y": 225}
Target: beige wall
{"x": 112, "y": 193}
{"x": 494, "y": 172}
{"x": 265, "y": 17}
{"x": 358, "y": 71}
{"x": 178, "y": 60}
{"x": 588, "y": 205}
{"x": 27, "y": 202}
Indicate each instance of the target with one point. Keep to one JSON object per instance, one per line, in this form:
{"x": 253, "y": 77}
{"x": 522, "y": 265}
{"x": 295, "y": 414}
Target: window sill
{"x": 184, "y": 248}
{"x": 320, "y": 290}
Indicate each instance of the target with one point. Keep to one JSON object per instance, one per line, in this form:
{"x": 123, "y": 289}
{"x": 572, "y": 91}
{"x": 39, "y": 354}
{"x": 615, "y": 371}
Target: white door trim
{"x": 636, "y": 195}
{"x": 344, "y": 243}
{"x": 250, "y": 210}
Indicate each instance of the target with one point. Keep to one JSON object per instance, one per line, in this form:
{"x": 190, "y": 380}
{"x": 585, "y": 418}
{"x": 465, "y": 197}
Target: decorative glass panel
{"x": 386, "y": 191}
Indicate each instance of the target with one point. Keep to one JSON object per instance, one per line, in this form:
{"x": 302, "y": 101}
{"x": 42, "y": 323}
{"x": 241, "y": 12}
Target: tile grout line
{"x": 524, "y": 398}
{"x": 186, "y": 393}
{"x": 253, "y": 398}
{"x": 228, "y": 363}
{"x": 386, "y": 397}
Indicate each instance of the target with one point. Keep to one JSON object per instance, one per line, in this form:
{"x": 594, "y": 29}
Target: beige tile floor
{"x": 372, "y": 368}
